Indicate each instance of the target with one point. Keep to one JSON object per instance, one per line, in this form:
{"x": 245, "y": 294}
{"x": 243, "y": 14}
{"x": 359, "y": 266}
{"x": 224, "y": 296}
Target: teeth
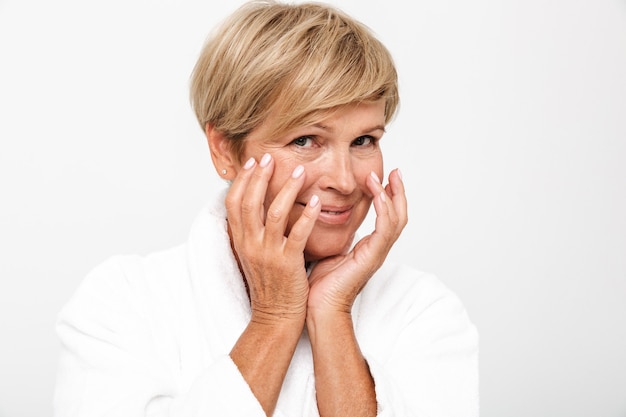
{"x": 332, "y": 212}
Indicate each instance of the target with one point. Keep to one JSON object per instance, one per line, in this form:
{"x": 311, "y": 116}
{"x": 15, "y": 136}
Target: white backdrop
{"x": 511, "y": 138}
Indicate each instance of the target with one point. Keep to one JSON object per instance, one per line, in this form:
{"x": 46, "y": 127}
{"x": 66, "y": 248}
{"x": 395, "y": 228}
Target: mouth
{"x": 334, "y": 215}
{"x": 332, "y": 212}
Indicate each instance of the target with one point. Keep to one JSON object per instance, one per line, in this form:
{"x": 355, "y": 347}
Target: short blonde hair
{"x": 292, "y": 61}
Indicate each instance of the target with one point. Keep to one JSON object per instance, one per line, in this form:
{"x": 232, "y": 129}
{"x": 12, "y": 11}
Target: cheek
{"x": 283, "y": 168}
{"x": 363, "y": 168}
{"x": 377, "y": 165}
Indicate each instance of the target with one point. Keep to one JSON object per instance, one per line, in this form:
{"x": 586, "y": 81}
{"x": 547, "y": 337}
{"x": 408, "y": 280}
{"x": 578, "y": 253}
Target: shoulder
{"x": 400, "y": 286}
{"x": 404, "y": 308}
{"x": 414, "y": 299}
{"x": 135, "y": 272}
{"x": 129, "y": 282}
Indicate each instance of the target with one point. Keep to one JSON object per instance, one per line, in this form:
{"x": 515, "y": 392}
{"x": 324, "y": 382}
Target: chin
{"x": 327, "y": 246}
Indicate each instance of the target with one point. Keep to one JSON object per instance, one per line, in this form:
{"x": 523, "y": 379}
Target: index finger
{"x": 395, "y": 189}
{"x": 236, "y": 192}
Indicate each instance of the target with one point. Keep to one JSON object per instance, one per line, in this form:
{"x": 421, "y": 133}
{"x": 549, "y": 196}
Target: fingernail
{"x": 249, "y": 164}
{"x": 383, "y": 196}
{"x": 265, "y": 160}
{"x": 315, "y": 200}
{"x": 399, "y": 174}
{"x": 297, "y": 172}
{"x": 373, "y": 174}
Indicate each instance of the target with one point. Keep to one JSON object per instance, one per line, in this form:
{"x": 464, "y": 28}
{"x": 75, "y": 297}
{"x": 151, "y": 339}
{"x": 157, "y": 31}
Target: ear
{"x": 221, "y": 153}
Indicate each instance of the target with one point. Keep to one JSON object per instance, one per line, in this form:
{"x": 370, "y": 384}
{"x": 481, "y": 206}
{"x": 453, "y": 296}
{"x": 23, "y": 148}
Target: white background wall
{"x": 511, "y": 136}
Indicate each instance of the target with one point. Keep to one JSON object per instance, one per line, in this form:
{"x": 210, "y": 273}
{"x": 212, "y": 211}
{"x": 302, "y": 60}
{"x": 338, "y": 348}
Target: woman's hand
{"x": 273, "y": 265}
{"x": 342, "y": 376}
{"x": 335, "y": 282}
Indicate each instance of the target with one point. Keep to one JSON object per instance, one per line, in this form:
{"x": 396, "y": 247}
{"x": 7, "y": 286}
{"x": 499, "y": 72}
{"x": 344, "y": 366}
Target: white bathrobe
{"x": 151, "y": 336}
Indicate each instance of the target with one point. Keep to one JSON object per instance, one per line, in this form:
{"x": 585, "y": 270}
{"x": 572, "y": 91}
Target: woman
{"x": 273, "y": 307}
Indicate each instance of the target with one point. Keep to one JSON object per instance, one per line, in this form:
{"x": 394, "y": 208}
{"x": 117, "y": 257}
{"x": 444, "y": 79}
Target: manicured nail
{"x": 249, "y": 164}
{"x": 297, "y": 172}
{"x": 399, "y": 174}
{"x": 373, "y": 174}
{"x": 314, "y": 201}
{"x": 265, "y": 160}
{"x": 383, "y": 196}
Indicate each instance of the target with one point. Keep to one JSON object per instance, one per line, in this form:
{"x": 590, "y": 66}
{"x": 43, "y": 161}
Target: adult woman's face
{"x": 338, "y": 154}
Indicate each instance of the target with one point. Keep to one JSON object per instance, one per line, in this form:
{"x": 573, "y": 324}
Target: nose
{"x": 339, "y": 173}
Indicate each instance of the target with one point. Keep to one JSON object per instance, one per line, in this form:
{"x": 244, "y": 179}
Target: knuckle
{"x": 274, "y": 215}
{"x": 247, "y": 207}
{"x": 297, "y": 233}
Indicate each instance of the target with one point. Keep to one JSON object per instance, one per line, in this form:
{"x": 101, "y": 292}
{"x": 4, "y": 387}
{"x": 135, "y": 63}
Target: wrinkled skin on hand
{"x": 272, "y": 263}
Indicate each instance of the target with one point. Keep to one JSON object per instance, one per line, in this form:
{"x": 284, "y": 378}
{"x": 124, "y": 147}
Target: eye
{"x": 303, "y": 142}
{"x": 364, "y": 141}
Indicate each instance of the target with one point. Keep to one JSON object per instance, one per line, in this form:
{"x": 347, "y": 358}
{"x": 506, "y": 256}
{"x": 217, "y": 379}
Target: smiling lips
{"x": 335, "y": 214}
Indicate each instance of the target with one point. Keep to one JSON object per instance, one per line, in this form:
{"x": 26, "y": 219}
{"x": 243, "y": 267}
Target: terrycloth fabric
{"x": 151, "y": 336}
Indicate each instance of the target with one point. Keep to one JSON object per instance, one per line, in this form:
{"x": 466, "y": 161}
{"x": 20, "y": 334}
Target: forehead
{"x": 350, "y": 119}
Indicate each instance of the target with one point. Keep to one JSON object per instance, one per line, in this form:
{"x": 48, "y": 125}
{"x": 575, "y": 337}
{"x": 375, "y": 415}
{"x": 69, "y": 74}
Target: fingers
{"x": 278, "y": 215}
{"x": 391, "y": 208}
{"x": 396, "y": 190}
{"x": 246, "y": 201}
{"x": 301, "y": 230}
{"x": 253, "y": 198}
{"x": 280, "y": 208}
{"x": 236, "y": 193}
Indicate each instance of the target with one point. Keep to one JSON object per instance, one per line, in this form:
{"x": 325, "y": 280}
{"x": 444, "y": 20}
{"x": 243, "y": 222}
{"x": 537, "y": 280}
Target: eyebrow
{"x": 373, "y": 128}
